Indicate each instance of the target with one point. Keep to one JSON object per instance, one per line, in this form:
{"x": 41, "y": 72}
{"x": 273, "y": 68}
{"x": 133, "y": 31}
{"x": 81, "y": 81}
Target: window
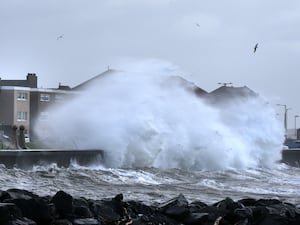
{"x": 44, "y": 116}
{"x": 22, "y": 96}
{"x": 21, "y": 116}
{"x": 44, "y": 97}
{"x": 59, "y": 98}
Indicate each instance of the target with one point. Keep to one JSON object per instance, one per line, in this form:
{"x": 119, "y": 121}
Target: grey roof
{"x": 89, "y": 82}
{"x": 187, "y": 85}
{"x": 228, "y": 93}
{"x": 31, "y": 81}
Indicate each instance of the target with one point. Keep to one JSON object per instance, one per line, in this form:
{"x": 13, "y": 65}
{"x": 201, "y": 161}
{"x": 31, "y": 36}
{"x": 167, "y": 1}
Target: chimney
{"x": 32, "y": 80}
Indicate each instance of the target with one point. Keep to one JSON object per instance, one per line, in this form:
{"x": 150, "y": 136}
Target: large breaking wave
{"x": 148, "y": 116}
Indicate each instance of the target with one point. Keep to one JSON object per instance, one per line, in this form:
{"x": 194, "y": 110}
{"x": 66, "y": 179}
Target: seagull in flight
{"x": 59, "y": 37}
{"x": 255, "y": 47}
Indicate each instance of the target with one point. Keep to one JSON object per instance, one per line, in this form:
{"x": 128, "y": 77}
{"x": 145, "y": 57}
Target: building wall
{"x": 22, "y": 103}
{"x": 15, "y": 106}
{"x": 42, "y": 103}
{"x": 22, "y": 108}
{"x": 6, "y": 106}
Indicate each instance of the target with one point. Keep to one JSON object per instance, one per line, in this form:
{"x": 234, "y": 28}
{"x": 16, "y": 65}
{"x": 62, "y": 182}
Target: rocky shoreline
{"x": 21, "y": 207}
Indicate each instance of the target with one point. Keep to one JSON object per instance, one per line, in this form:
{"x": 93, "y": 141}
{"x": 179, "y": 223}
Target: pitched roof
{"x": 228, "y": 92}
{"x": 89, "y": 82}
{"x": 187, "y": 85}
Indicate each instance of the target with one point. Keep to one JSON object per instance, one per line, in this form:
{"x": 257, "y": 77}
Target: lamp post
{"x": 296, "y": 116}
{"x": 225, "y": 84}
{"x": 285, "y": 116}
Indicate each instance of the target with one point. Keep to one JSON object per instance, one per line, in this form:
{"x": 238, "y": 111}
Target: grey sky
{"x": 98, "y": 33}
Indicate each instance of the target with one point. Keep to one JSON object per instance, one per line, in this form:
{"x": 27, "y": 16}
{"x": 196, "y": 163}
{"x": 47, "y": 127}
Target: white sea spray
{"x": 141, "y": 118}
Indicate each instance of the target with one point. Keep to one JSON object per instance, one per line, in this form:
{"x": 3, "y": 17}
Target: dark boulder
{"x": 117, "y": 204}
{"x": 81, "y": 208}
{"x": 195, "y": 206}
{"x": 22, "y": 221}
{"x": 82, "y": 212}
{"x": 138, "y": 209}
{"x": 104, "y": 212}
{"x": 213, "y": 211}
{"x": 8, "y": 212}
{"x": 245, "y": 212}
{"x": 4, "y": 195}
{"x": 20, "y": 194}
{"x": 229, "y": 209}
{"x": 86, "y": 221}
{"x": 176, "y": 208}
{"x": 63, "y": 203}
{"x": 62, "y": 222}
{"x": 20, "y": 207}
{"x": 196, "y": 218}
{"x": 31, "y": 205}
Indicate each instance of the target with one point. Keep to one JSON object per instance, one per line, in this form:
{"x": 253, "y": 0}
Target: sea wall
{"x": 62, "y": 157}
{"x": 26, "y": 208}
{"x": 291, "y": 157}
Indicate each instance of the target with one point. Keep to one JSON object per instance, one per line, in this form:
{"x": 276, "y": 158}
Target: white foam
{"x": 141, "y": 119}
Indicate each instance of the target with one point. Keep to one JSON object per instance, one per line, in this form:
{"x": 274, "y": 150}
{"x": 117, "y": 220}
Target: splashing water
{"x": 142, "y": 118}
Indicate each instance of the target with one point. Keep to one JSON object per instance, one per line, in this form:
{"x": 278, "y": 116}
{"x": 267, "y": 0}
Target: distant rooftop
{"x": 230, "y": 92}
{"x": 89, "y": 82}
{"x": 190, "y": 86}
{"x": 31, "y": 81}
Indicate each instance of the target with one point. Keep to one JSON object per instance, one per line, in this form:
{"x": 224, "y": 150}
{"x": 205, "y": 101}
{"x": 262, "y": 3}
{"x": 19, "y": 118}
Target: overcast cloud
{"x": 98, "y": 33}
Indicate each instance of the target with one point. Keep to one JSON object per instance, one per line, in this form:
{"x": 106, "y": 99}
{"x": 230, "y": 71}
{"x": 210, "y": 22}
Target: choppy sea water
{"x": 152, "y": 185}
{"x": 149, "y": 121}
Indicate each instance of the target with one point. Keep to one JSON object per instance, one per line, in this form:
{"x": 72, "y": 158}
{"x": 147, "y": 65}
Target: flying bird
{"x": 197, "y": 24}
{"x": 59, "y": 37}
{"x": 255, "y": 48}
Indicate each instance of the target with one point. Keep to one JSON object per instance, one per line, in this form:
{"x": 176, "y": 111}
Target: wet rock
{"x": 138, "y": 209}
{"x": 62, "y": 222}
{"x": 81, "y": 208}
{"x": 35, "y": 209}
{"x": 21, "y": 194}
{"x": 8, "y": 212}
{"x": 22, "y": 221}
{"x": 195, "y": 206}
{"x": 117, "y": 203}
{"x": 86, "y": 221}
{"x": 31, "y": 205}
{"x": 247, "y": 201}
{"x": 228, "y": 204}
{"x": 196, "y": 218}
{"x": 176, "y": 207}
{"x": 104, "y": 213}
{"x": 63, "y": 203}
{"x": 213, "y": 213}
{"x": 82, "y": 212}
{"x": 156, "y": 218}
{"x": 20, "y": 207}
{"x": 266, "y": 202}
{"x": 228, "y": 208}
{"x": 245, "y": 212}
{"x": 4, "y": 195}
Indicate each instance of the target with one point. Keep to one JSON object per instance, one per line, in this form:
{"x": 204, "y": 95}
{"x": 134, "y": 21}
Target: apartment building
{"x": 23, "y": 103}
{"x": 14, "y": 107}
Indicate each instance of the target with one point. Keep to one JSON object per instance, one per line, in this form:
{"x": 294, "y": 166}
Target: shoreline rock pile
{"x": 21, "y": 207}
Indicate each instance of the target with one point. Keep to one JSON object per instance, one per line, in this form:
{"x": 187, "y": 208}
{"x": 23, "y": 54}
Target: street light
{"x": 296, "y": 116}
{"x": 285, "y": 115}
{"x": 224, "y": 84}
